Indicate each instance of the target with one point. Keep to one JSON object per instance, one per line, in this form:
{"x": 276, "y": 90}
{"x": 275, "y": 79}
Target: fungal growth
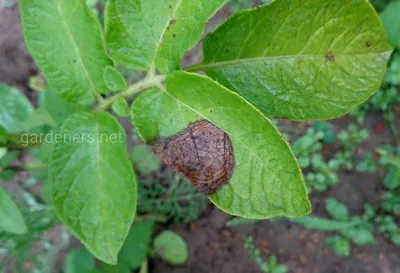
{"x": 202, "y": 153}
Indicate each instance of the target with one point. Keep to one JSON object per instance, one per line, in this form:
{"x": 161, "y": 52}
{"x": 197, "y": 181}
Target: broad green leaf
{"x": 144, "y": 160}
{"x": 14, "y": 108}
{"x": 266, "y": 181}
{"x": 11, "y": 219}
{"x": 121, "y": 107}
{"x": 113, "y": 79}
{"x": 171, "y": 247}
{"x": 94, "y": 187}
{"x": 390, "y": 19}
{"x": 302, "y": 60}
{"x": 136, "y": 246}
{"x": 65, "y": 39}
{"x": 142, "y": 34}
{"x": 337, "y": 210}
{"x": 79, "y": 261}
{"x": 58, "y": 107}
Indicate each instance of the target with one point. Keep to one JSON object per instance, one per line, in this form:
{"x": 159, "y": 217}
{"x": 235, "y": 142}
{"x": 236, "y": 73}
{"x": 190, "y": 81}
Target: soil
{"x": 214, "y": 248}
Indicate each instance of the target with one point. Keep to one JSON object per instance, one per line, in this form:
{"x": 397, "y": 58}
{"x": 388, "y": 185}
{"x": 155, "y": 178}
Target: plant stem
{"x": 194, "y": 68}
{"x": 149, "y": 81}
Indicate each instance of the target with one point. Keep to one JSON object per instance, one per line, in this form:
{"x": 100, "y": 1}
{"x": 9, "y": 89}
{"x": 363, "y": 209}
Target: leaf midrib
{"x": 79, "y": 57}
{"x": 153, "y": 65}
{"x": 213, "y": 64}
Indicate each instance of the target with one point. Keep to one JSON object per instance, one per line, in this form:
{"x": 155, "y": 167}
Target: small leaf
{"x": 136, "y": 246}
{"x": 392, "y": 179}
{"x": 363, "y": 236}
{"x": 94, "y": 187}
{"x": 290, "y": 66}
{"x": 266, "y": 180}
{"x": 121, "y": 107}
{"x": 66, "y": 41}
{"x": 390, "y": 19}
{"x": 340, "y": 245}
{"x": 171, "y": 247}
{"x": 12, "y": 220}
{"x": 14, "y": 108}
{"x": 141, "y": 34}
{"x": 337, "y": 210}
{"x": 114, "y": 80}
{"x": 144, "y": 160}
{"x": 79, "y": 261}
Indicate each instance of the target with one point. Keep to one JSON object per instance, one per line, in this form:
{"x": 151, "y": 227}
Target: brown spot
{"x": 202, "y": 152}
{"x": 172, "y": 22}
{"x": 170, "y": 6}
{"x": 368, "y": 44}
{"x": 329, "y": 57}
{"x": 174, "y": 35}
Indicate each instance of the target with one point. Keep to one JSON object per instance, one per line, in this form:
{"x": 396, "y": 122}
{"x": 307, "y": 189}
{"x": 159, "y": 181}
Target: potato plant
{"x": 293, "y": 59}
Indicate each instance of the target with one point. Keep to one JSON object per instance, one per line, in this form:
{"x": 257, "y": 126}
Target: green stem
{"x": 149, "y": 81}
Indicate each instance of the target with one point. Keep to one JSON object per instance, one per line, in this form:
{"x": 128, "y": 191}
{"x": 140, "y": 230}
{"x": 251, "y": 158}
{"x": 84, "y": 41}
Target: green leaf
{"x": 94, "y": 187}
{"x": 266, "y": 181}
{"x": 58, "y": 107}
{"x": 171, "y": 247}
{"x": 363, "y": 236}
{"x": 340, "y": 245}
{"x": 390, "y": 19}
{"x": 144, "y": 160}
{"x": 12, "y": 220}
{"x": 136, "y": 246}
{"x": 290, "y": 66}
{"x": 114, "y": 80}
{"x": 392, "y": 179}
{"x": 66, "y": 41}
{"x": 79, "y": 261}
{"x": 144, "y": 34}
{"x": 337, "y": 210}
{"x": 121, "y": 107}
{"x": 14, "y": 108}
{"x": 144, "y": 268}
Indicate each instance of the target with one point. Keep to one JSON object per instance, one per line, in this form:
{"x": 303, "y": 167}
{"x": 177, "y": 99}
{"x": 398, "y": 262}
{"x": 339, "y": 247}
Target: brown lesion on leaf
{"x": 202, "y": 152}
{"x": 174, "y": 35}
{"x": 368, "y": 43}
{"x": 329, "y": 57}
{"x": 172, "y": 22}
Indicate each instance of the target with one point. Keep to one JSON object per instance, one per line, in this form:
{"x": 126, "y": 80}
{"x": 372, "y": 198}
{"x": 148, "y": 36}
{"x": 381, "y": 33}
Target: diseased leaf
{"x": 121, "y": 107}
{"x": 266, "y": 180}
{"x": 14, "y": 108}
{"x": 94, "y": 187}
{"x": 302, "y": 60}
{"x": 11, "y": 219}
{"x": 65, "y": 39}
{"x": 113, "y": 79}
{"x": 171, "y": 247}
{"x": 144, "y": 33}
{"x": 390, "y": 19}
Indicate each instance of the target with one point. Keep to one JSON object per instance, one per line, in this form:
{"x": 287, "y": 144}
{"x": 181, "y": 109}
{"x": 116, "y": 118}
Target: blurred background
{"x": 351, "y": 166}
